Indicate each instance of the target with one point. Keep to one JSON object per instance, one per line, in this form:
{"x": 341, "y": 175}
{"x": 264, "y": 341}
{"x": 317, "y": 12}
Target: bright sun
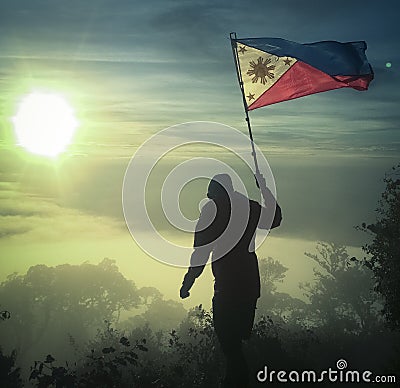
{"x": 45, "y": 123}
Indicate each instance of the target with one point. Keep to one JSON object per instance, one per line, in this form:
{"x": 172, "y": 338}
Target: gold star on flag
{"x": 242, "y": 49}
{"x": 287, "y": 61}
{"x": 250, "y": 96}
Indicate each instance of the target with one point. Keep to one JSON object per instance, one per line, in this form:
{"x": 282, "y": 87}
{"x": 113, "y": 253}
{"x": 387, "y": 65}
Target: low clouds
{"x": 325, "y": 196}
{"x": 44, "y": 202}
{"x": 41, "y": 219}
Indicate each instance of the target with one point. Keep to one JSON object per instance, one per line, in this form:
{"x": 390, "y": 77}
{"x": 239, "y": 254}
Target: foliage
{"x": 186, "y": 357}
{"x": 384, "y": 250}
{"x": 159, "y": 313}
{"x": 288, "y": 334}
{"x": 279, "y": 305}
{"x": 54, "y": 302}
{"x": 111, "y": 366}
{"x": 4, "y": 315}
{"x": 342, "y": 295}
{"x": 198, "y": 359}
{"x": 9, "y": 372}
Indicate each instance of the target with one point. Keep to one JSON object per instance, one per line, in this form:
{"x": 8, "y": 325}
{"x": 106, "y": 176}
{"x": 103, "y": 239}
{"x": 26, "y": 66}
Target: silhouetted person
{"x": 226, "y": 228}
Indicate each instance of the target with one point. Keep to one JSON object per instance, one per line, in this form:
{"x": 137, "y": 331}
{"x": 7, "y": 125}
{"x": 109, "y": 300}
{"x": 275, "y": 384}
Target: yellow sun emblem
{"x": 261, "y": 70}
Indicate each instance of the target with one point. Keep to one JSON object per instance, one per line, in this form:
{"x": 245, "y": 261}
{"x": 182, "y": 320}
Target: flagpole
{"x": 232, "y": 37}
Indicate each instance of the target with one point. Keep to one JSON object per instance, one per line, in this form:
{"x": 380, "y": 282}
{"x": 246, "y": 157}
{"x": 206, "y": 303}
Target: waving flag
{"x": 274, "y": 70}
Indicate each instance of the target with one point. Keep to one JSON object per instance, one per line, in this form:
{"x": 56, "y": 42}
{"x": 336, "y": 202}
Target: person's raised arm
{"x": 270, "y": 210}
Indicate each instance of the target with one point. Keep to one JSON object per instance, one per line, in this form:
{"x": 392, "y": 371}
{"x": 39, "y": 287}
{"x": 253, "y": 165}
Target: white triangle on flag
{"x": 260, "y": 70}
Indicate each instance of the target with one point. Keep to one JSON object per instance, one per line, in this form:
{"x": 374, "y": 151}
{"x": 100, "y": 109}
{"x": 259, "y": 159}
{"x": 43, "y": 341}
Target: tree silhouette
{"x": 278, "y": 305}
{"x": 342, "y": 295}
{"x": 342, "y": 313}
{"x": 9, "y": 373}
{"x": 155, "y": 311}
{"x": 50, "y": 303}
{"x": 384, "y": 250}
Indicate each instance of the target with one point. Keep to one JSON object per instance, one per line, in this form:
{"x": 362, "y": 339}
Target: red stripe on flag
{"x": 356, "y": 82}
{"x": 302, "y": 79}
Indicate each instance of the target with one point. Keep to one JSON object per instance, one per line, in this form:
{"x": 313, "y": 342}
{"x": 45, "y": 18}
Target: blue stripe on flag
{"x": 331, "y": 57}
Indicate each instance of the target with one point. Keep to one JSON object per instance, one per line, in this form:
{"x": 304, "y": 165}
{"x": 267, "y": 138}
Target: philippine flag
{"x": 275, "y": 69}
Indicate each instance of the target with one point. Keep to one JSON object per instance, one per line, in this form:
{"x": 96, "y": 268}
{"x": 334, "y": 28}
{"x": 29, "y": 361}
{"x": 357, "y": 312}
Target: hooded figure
{"x": 226, "y": 229}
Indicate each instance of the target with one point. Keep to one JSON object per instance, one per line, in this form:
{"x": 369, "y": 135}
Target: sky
{"x": 131, "y": 69}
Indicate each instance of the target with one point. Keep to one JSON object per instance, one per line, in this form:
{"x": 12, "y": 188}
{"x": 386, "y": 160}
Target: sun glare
{"x": 44, "y": 124}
